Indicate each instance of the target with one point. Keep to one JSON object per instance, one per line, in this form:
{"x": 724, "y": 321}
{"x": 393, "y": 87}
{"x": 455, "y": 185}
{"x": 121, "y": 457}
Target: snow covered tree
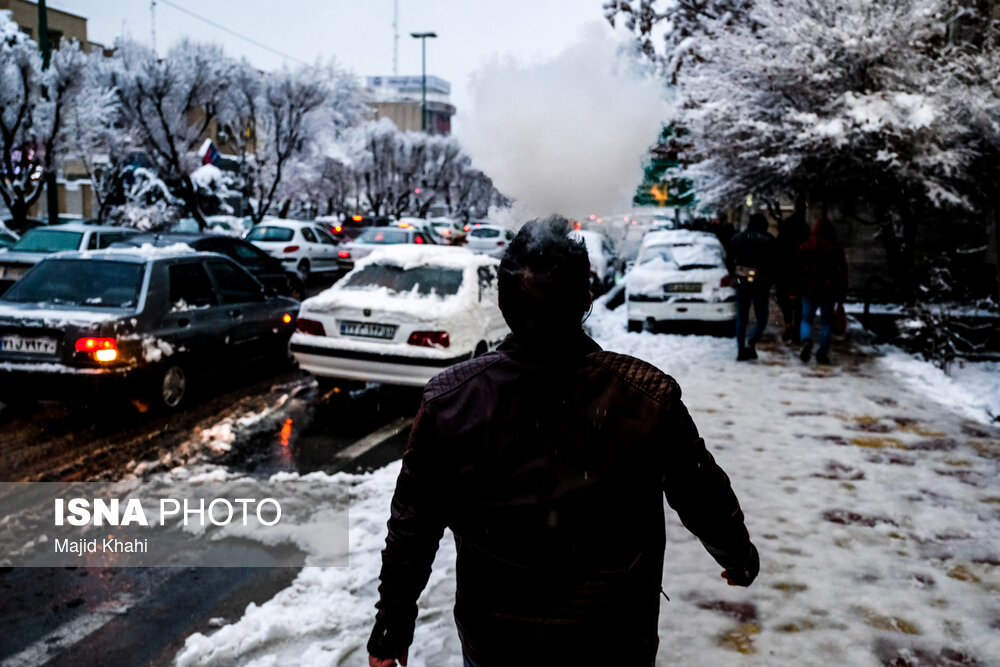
{"x": 280, "y": 117}
{"x": 33, "y": 110}
{"x": 845, "y": 103}
{"x": 167, "y": 105}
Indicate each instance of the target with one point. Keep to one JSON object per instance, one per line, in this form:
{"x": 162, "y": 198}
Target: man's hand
{"x": 388, "y": 662}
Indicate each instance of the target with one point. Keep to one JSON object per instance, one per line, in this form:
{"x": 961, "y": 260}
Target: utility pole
{"x": 422, "y": 36}
{"x": 152, "y": 23}
{"x": 45, "y": 44}
{"x": 395, "y": 37}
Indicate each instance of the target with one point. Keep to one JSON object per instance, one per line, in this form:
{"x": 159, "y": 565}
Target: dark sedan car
{"x": 268, "y": 270}
{"x": 147, "y": 322}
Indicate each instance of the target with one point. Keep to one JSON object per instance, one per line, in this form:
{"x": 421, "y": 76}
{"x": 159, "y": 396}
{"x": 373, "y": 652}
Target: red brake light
{"x": 101, "y": 349}
{"x": 338, "y": 229}
{"x": 311, "y": 327}
{"x": 465, "y": 228}
{"x": 727, "y": 281}
{"x": 500, "y": 242}
{"x": 344, "y": 254}
{"x": 290, "y": 248}
{"x": 357, "y": 218}
{"x": 429, "y": 339}
{"x": 418, "y": 239}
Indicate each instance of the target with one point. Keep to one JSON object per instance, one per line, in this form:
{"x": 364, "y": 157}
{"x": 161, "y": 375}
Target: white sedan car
{"x": 305, "y": 247}
{"x": 680, "y": 276}
{"x": 401, "y": 316}
{"x": 490, "y": 240}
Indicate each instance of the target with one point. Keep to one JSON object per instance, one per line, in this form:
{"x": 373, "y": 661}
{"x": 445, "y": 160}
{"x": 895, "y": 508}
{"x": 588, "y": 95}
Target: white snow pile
{"x": 207, "y": 177}
{"x": 970, "y": 388}
{"x": 874, "y": 508}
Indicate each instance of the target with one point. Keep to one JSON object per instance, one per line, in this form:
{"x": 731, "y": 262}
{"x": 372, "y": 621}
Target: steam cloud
{"x": 565, "y": 136}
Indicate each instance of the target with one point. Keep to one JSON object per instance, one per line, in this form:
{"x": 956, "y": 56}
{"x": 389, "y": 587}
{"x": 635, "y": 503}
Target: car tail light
{"x": 418, "y": 239}
{"x": 465, "y": 228}
{"x": 311, "y": 327}
{"x": 101, "y": 349}
{"x": 500, "y": 242}
{"x": 290, "y": 248}
{"x": 357, "y": 218}
{"x": 727, "y": 281}
{"x": 429, "y": 339}
{"x": 286, "y": 318}
{"x": 344, "y": 254}
{"x": 338, "y": 229}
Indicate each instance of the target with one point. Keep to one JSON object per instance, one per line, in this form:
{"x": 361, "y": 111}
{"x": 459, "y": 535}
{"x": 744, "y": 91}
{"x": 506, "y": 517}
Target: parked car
{"x": 304, "y": 246}
{"x": 401, "y": 316}
{"x": 489, "y": 239}
{"x": 680, "y": 276}
{"x": 376, "y": 237}
{"x": 145, "y": 323}
{"x": 39, "y": 242}
{"x": 7, "y": 237}
{"x": 604, "y": 263}
{"x": 269, "y": 271}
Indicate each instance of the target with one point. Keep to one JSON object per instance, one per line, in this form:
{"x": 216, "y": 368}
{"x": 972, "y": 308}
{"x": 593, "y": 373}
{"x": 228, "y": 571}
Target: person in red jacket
{"x": 823, "y": 285}
{"x": 549, "y": 459}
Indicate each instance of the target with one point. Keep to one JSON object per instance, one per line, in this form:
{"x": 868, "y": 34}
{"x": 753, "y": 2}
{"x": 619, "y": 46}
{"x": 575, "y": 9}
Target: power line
{"x": 232, "y": 32}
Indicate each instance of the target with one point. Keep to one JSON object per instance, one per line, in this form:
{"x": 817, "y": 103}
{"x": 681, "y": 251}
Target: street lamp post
{"x": 422, "y": 36}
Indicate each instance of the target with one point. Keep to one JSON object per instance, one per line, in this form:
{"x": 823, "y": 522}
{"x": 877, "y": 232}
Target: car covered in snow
{"x": 377, "y": 237}
{"x": 680, "y": 276}
{"x": 304, "y": 246}
{"x": 403, "y": 315}
{"x": 489, "y": 240}
{"x": 143, "y": 322}
{"x": 604, "y": 263}
{"x": 40, "y": 242}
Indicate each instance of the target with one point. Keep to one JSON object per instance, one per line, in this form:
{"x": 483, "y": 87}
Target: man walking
{"x": 548, "y": 459}
{"x": 752, "y": 257}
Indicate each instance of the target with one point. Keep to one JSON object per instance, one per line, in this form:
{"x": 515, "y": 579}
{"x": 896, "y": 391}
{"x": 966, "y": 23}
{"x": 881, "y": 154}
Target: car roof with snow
{"x": 281, "y": 222}
{"x": 406, "y": 256}
{"x": 83, "y": 227}
{"x": 142, "y": 253}
{"x": 674, "y": 236}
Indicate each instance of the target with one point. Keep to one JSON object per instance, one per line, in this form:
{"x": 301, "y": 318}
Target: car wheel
{"x": 635, "y": 326}
{"x": 171, "y": 388}
{"x": 303, "y": 269}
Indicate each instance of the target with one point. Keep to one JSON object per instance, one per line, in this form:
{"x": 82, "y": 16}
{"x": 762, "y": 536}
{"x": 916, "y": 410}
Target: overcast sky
{"x": 357, "y": 33}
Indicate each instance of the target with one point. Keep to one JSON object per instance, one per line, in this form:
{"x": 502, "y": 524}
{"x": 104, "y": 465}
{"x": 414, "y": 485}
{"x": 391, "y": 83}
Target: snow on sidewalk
{"x": 875, "y": 509}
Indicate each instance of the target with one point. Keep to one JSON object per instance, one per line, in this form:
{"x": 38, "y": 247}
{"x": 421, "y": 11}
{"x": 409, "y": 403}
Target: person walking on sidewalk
{"x": 824, "y": 284}
{"x": 792, "y": 233}
{"x": 549, "y": 459}
{"x": 753, "y": 262}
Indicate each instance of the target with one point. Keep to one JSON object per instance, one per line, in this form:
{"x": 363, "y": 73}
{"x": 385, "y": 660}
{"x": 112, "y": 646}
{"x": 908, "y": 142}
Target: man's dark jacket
{"x": 549, "y": 466}
{"x": 755, "y": 249}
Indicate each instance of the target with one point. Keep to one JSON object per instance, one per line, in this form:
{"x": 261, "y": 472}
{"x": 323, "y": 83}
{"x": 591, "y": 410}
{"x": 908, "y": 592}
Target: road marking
{"x": 373, "y": 440}
{"x": 70, "y": 633}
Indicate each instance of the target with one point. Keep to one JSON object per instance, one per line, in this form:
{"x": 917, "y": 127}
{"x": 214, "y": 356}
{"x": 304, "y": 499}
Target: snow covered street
{"x": 869, "y": 488}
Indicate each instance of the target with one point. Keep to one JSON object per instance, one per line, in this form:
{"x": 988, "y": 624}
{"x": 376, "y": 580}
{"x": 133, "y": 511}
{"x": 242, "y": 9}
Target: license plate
{"x": 682, "y": 287}
{"x": 19, "y": 345}
{"x": 368, "y": 330}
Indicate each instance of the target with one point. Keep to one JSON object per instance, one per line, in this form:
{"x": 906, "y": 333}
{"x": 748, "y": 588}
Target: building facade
{"x": 399, "y": 98}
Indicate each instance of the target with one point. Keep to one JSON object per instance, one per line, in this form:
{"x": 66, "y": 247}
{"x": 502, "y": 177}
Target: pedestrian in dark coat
{"x": 823, "y": 283}
{"x": 792, "y": 232}
{"x": 548, "y": 459}
{"x": 752, "y": 256}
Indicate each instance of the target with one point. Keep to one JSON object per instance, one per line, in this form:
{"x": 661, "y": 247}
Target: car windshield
{"x": 383, "y": 236}
{"x": 277, "y": 234}
{"x": 422, "y": 280}
{"x": 80, "y": 282}
{"x": 49, "y": 240}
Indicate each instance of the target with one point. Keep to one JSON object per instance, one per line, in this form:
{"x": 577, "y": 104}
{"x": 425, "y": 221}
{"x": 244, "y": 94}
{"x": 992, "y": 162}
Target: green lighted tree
{"x": 658, "y": 187}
